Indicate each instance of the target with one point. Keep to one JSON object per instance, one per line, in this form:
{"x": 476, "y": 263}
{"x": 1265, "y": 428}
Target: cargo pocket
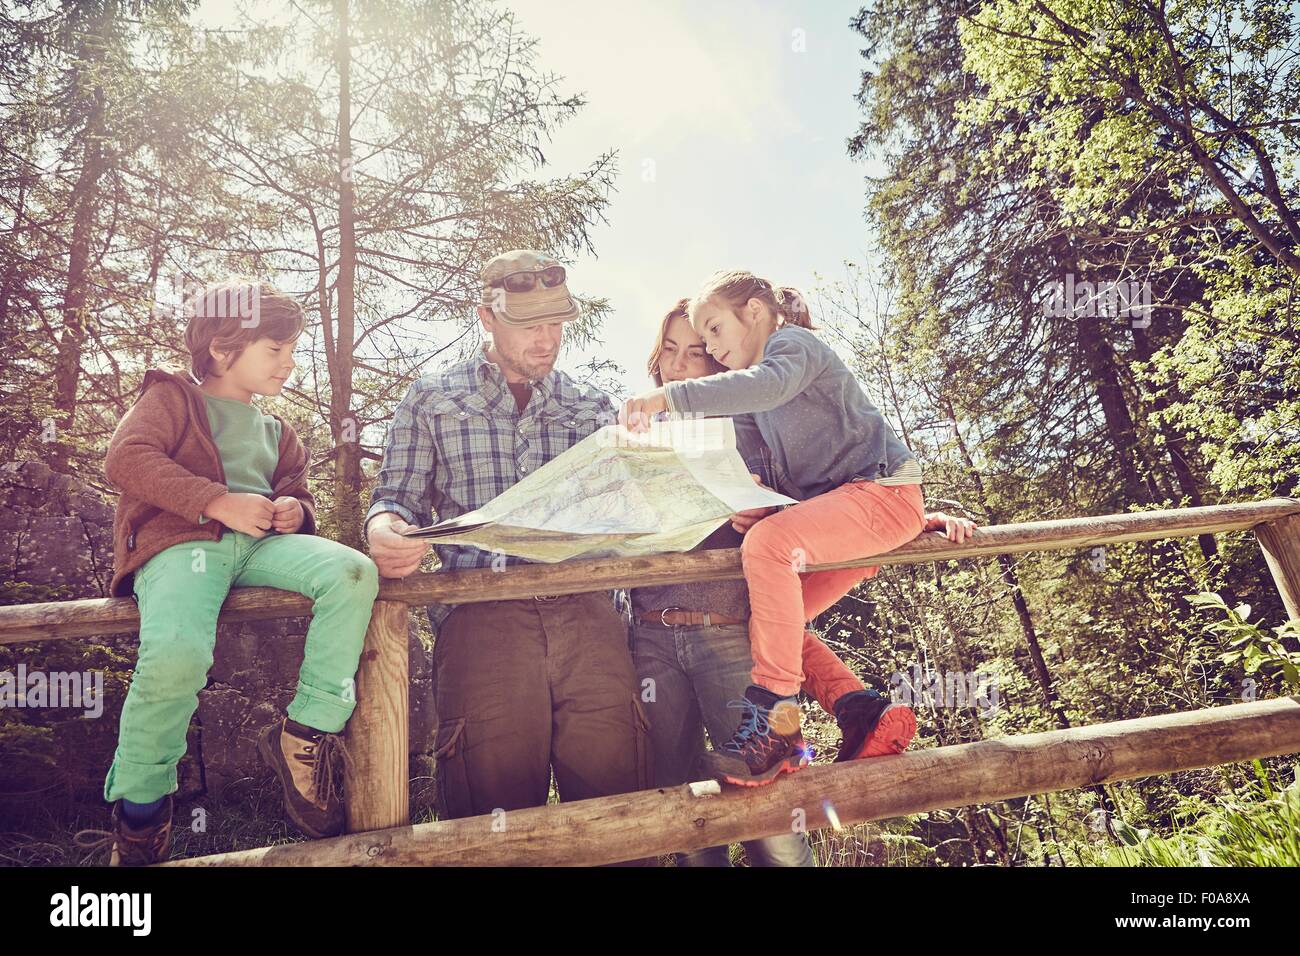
{"x": 454, "y": 800}
{"x": 644, "y": 751}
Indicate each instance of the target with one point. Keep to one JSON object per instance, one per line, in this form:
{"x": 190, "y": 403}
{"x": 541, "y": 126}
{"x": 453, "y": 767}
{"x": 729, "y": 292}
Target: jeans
{"x": 180, "y": 591}
{"x": 696, "y": 670}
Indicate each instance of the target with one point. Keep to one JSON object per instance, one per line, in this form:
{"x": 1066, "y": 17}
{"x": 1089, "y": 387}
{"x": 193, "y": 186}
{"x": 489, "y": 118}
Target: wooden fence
{"x": 610, "y": 829}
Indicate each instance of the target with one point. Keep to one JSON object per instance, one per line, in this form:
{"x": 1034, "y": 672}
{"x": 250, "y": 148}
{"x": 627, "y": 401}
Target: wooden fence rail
{"x": 692, "y": 816}
{"x": 66, "y": 619}
{"x": 652, "y": 821}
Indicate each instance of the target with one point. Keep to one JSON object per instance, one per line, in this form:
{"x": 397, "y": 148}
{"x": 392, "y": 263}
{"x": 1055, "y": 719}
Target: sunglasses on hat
{"x": 526, "y": 281}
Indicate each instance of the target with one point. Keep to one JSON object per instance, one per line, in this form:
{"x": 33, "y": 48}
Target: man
{"x": 522, "y": 686}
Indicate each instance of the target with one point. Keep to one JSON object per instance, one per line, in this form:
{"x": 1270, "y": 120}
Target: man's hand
{"x": 289, "y": 514}
{"x": 956, "y": 529}
{"x": 742, "y": 521}
{"x": 252, "y": 514}
{"x": 636, "y": 413}
{"x": 396, "y": 556}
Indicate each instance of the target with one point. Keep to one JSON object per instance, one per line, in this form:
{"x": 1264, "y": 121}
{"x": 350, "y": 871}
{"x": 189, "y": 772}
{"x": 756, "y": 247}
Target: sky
{"x": 730, "y": 119}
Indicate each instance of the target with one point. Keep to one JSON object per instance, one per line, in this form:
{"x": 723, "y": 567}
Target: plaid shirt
{"x": 457, "y": 440}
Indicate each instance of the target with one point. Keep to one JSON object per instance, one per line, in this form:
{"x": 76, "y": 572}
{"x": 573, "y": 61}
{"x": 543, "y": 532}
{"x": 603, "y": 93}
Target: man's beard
{"x": 520, "y": 365}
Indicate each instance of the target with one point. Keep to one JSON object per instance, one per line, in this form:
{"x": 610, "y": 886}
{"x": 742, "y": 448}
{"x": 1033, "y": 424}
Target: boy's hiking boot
{"x": 768, "y": 743}
{"x": 132, "y": 845}
{"x": 872, "y": 725}
{"x": 309, "y": 764}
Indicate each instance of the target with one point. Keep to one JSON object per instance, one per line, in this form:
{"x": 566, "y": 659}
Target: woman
{"x": 691, "y": 641}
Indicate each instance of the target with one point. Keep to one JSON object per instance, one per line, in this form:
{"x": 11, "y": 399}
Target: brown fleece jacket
{"x": 164, "y": 461}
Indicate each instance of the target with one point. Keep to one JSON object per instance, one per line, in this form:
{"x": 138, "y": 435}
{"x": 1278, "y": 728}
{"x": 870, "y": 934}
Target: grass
{"x": 246, "y": 815}
{"x": 1257, "y": 825}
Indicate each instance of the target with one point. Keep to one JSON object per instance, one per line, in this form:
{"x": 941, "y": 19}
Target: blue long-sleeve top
{"x": 820, "y": 426}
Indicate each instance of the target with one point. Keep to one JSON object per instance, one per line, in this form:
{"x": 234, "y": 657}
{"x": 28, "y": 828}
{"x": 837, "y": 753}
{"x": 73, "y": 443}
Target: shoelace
{"x": 93, "y": 841}
{"x": 323, "y": 754}
{"x": 754, "y": 730}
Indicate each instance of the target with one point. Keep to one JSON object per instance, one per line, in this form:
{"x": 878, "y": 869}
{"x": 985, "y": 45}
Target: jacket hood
{"x": 164, "y": 373}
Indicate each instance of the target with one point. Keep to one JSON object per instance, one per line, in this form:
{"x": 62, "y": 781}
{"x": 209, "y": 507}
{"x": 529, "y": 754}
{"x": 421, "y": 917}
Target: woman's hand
{"x": 956, "y": 529}
{"x": 637, "y": 413}
{"x": 289, "y": 514}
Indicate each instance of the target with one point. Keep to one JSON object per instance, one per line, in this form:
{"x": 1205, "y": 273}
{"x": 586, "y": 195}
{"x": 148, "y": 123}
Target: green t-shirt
{"x": 249, "y": 442}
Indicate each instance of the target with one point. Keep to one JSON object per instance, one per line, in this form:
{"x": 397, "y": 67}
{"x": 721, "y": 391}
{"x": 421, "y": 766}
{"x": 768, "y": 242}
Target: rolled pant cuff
{"x": 139, "y": 782}
{"x": 781, "y": 688}
{"x": 327, "y": 713}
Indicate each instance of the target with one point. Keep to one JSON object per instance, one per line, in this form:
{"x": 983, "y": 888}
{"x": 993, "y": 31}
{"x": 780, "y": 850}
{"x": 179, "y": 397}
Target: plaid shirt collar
{"x": 480, "y": 380}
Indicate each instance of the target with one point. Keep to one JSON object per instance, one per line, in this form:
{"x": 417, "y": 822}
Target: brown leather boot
{"x": 307, "y": 762}
{"x": 132, "y": 846}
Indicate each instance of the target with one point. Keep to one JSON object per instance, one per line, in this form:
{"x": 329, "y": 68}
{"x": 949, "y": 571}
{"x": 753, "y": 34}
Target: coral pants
{"x": 826, "y": 678}
{"x": 855, "y": 520}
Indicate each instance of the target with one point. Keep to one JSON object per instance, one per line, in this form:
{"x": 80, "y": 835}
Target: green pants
{"x": 180, "y": 591}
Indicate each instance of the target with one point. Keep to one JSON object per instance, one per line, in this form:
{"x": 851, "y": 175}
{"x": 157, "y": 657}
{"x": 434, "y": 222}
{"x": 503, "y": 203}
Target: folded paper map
{"x": 618, "y": 494}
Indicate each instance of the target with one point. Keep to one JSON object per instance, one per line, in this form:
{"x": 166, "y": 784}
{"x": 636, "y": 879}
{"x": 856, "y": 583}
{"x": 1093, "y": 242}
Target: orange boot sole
{"x": 892, "y": 734}
{"x": 785, "y": 766}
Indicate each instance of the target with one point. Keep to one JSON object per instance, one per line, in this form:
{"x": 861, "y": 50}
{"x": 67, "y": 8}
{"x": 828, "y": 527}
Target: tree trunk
{"x": 1009, "y": 577}
{"x": 1175, "y": 445}
{"x": 85, "y": 197}
{"x": 343, "y": 423}
{"x": 1099, "y": 358}
{"x": 1012, "y": 581}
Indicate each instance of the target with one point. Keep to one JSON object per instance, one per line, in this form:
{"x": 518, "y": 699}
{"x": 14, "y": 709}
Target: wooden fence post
{"x": 377, "y": 784}
{"x": 1280, "y": 542}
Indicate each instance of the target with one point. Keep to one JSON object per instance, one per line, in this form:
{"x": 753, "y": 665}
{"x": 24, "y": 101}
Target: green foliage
{"x": 1256, "y": 649}
{"x": 1012, "y": 143}
{"x": 1258, "y": 825}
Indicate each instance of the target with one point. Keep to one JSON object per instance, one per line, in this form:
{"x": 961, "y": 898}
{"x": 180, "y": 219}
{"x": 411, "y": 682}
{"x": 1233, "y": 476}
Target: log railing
{"x": 608, "y": 829}
{"x": 645, "y": 824}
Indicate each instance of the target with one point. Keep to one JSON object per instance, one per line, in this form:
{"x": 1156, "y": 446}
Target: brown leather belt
{"x": 675, "y": 616}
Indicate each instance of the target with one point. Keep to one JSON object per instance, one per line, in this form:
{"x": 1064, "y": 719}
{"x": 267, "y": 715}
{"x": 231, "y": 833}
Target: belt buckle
{"x": 665, "y": 611}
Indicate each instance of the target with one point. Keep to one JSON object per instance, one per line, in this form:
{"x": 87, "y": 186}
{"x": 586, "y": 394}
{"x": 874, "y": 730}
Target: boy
{"x": 213, "y": 496}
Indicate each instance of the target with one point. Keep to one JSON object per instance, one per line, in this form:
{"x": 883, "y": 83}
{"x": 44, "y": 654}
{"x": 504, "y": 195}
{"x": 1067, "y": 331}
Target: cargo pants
{"x": 524, "y": 686}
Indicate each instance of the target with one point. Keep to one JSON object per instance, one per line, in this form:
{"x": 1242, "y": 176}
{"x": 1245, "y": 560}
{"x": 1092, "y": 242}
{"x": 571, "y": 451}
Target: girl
{"x": 858, "y": 484}
{"x": 213, "y": 496}
{"x": 690, "y": 642}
